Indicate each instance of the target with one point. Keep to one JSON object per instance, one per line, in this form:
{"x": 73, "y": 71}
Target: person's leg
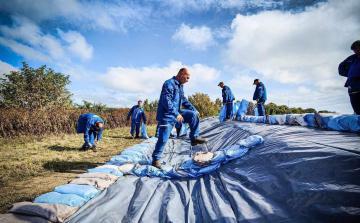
{"x": 178, "y": 126}
{"x": 132, "y": 128}
{"x": 229, "y": 109}
{"x": 157, "y": 130}
{"x": 164, "y": 133}
{"x": 355, "y": 102}
{"x": 261, "y": 109}
{"x": 192, "y": 118}
{"x": 137, "y": 129}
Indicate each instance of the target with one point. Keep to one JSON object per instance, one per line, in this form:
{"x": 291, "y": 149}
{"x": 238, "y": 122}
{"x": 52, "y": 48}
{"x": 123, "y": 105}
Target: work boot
{"x": 137, "y": 137}
{"x": 132, "y": 136}
{"x": 94, "y": 149}
{"x": 227, "y": 120}
{"x": 156, "y": 163}
{"x": 178, "y": 132}
{"x": 198, "y": 140}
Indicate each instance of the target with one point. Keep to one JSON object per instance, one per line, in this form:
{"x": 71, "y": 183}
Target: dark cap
{"x": 255, "y": 80}
{"x": 221, "y": 83}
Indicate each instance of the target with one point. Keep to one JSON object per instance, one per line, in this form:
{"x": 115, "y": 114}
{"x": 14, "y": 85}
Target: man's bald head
{"x": 183, "y": 75}
{"x": 98, "y": 125}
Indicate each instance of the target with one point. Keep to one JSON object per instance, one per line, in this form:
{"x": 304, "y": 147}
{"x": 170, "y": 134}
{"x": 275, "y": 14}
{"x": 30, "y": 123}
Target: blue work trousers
{"x": 190, "y": 117}
{"x": 261, "y": 108}
{"x": 92, "y": 136}
{"x": 157, "y": 130}
{"x": 355, "y": 102}
{"x": 133, "y": 125}
{"x": 229, "y": 110}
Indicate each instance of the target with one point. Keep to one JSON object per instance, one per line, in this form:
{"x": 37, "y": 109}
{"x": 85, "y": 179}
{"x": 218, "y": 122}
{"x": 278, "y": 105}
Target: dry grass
{"x": 29, "y": 168}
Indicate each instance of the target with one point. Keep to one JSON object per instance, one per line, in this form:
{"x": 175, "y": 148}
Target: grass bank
{"x": 29, "y": 168}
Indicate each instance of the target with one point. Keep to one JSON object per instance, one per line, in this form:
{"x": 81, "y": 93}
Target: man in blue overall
{"x": 137, "y": 113}
{"x": 170, "y": 111}
{"x": 92, "y": 127}
{"x": 350, "y": 68}
{"x": 228, "y": 99}
{"x": 260, "y": 96}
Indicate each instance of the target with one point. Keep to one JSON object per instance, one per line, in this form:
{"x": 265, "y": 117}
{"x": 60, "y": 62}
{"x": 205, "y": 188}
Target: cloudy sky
{"x": 117, "y": 52}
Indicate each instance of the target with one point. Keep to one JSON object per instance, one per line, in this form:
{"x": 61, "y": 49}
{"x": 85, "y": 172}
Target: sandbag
{"x": 236, "y": 108}
{"x": 18, "y": 218}
{"x": 222, "y": 114}
{"x": 300, "y": 120}
{"x": 103, "y": 176}
{"x": 251, "y": 109}
{"x": 243, "y": 108}
{"x": 310, "y": 119}
{"x": 281, "y": 119}
{"x": 113, "y": 171}
{"x": 288, "y": 117}
{"x": 85, "y": 191}
{"x": 318, "y": 123}
{"x": 51, "y": 212}
{"x": 272, "y": 119}
{"x": 325, "y": 120}
{"x": 256, "y": 112}
{"x": 203, "y": 159}
{"x": 183, "y": 130}
{"x": 292, "y": 120}
{"x": 144, "y": 134}
{"x": 351, "y": 123}
{"x": 126, "y": 169}
{"x": 72, "y": 200}
{"x": 95, "y": 182}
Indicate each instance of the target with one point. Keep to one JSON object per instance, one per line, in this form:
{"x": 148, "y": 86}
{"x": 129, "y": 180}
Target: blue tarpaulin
{"x": 296, "y": 175}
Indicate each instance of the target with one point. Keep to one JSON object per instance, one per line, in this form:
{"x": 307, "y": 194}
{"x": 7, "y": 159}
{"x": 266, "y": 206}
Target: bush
{"x": 17, "y": 122}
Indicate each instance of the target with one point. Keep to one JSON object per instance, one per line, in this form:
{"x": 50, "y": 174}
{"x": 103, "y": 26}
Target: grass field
{"x": 31, "y": 167}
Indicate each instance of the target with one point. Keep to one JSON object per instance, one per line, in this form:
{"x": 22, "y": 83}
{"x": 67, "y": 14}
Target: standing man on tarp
{"x": 228, "y": 99}
{"x": 350, "y": 68}
{"x": 137, "y": 113}
{"x": 260, "y": 96}
{"x": 169, "y": 112}
{"x": 92, "y": 127}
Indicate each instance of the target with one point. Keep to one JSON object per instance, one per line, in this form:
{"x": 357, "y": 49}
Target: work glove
{"x": 89, "y": 145}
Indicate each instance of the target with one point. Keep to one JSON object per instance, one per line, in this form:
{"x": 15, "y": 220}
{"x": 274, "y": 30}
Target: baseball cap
{"x": 255, "y": 80}
{"x": 221, "y": 83}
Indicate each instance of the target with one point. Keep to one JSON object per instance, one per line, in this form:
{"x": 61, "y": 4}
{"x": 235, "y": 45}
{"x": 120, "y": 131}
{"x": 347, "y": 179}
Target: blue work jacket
{"x": 344, "y": 68}
{"x": 171, "y": 100}
{"x": 137, "y": 113}
{"x": 86, "y": 125}
{"x": 227, "y": 95}
{"x": 260, "y": 92}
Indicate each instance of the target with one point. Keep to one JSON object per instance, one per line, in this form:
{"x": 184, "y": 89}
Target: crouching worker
{"x": 92, "y": 126}
{"x": 169, "y": 112}
{"x": 136, "y": 113}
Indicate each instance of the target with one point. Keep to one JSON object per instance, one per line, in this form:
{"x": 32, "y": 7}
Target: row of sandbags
{"x": 65, "y": 200}
{"x": 331, "y": 121}
{"x": 189, "y": 167}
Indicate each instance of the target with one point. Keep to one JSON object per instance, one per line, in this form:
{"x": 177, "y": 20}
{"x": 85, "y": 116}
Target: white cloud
{"x": 109, "y": 15}
{"x": 78, "y": 44}
{"x": 26, "y": 38}
{"x": 197, "y": 38}
{"x": 148, "y": 80}
{"x": 296, "y": 48}
{"x": 5, "y": 68}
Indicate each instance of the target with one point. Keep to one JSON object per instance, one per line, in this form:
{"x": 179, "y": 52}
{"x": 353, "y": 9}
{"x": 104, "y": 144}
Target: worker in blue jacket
{"x": 350, "y": 68}
{"x": 228, "y": 99}
{"x": 92, "y": 127}
{"x": 136, "y": 113}
{"x": 169, "y": 112}
{"x": 260, "y": 96}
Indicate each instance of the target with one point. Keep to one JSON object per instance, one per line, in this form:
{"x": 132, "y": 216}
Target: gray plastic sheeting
{"x": 297, "y": 175}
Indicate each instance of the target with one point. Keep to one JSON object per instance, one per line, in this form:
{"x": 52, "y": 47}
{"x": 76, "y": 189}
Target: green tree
{"x": 204, "y": 105}
{"x": 32, "y": 88}
{"x": 310, "y": 110}
{"x": 153, "y": 105}
{"x": 146, "y": 105}
{"x": 219, "y": 103}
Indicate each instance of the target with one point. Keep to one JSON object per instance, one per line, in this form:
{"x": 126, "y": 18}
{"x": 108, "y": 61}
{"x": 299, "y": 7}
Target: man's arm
{"x": 100, "y": 134}
{"x": 144, "y": 117}
{"x": 258, "y": 92}
{"x": 167, "y": 96}
{"x": 344, "y": 66}
{"x": 130, "y": 112}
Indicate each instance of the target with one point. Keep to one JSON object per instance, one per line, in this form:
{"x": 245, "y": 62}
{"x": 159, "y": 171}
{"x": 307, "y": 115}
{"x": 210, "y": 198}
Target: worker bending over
{"x": 92, "y": 126}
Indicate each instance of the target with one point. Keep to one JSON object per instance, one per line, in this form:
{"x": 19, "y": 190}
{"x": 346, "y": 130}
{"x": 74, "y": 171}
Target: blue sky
{"x": 117, "y": 52}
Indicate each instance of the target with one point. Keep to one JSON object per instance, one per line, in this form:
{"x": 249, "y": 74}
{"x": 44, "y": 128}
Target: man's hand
{"x": 180, "y": 119}
{"x": 198, "y": 113}
{"x": 257, "y": 100}
{"x": 89, "y": 145}
{"x": 97, "y": 143}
